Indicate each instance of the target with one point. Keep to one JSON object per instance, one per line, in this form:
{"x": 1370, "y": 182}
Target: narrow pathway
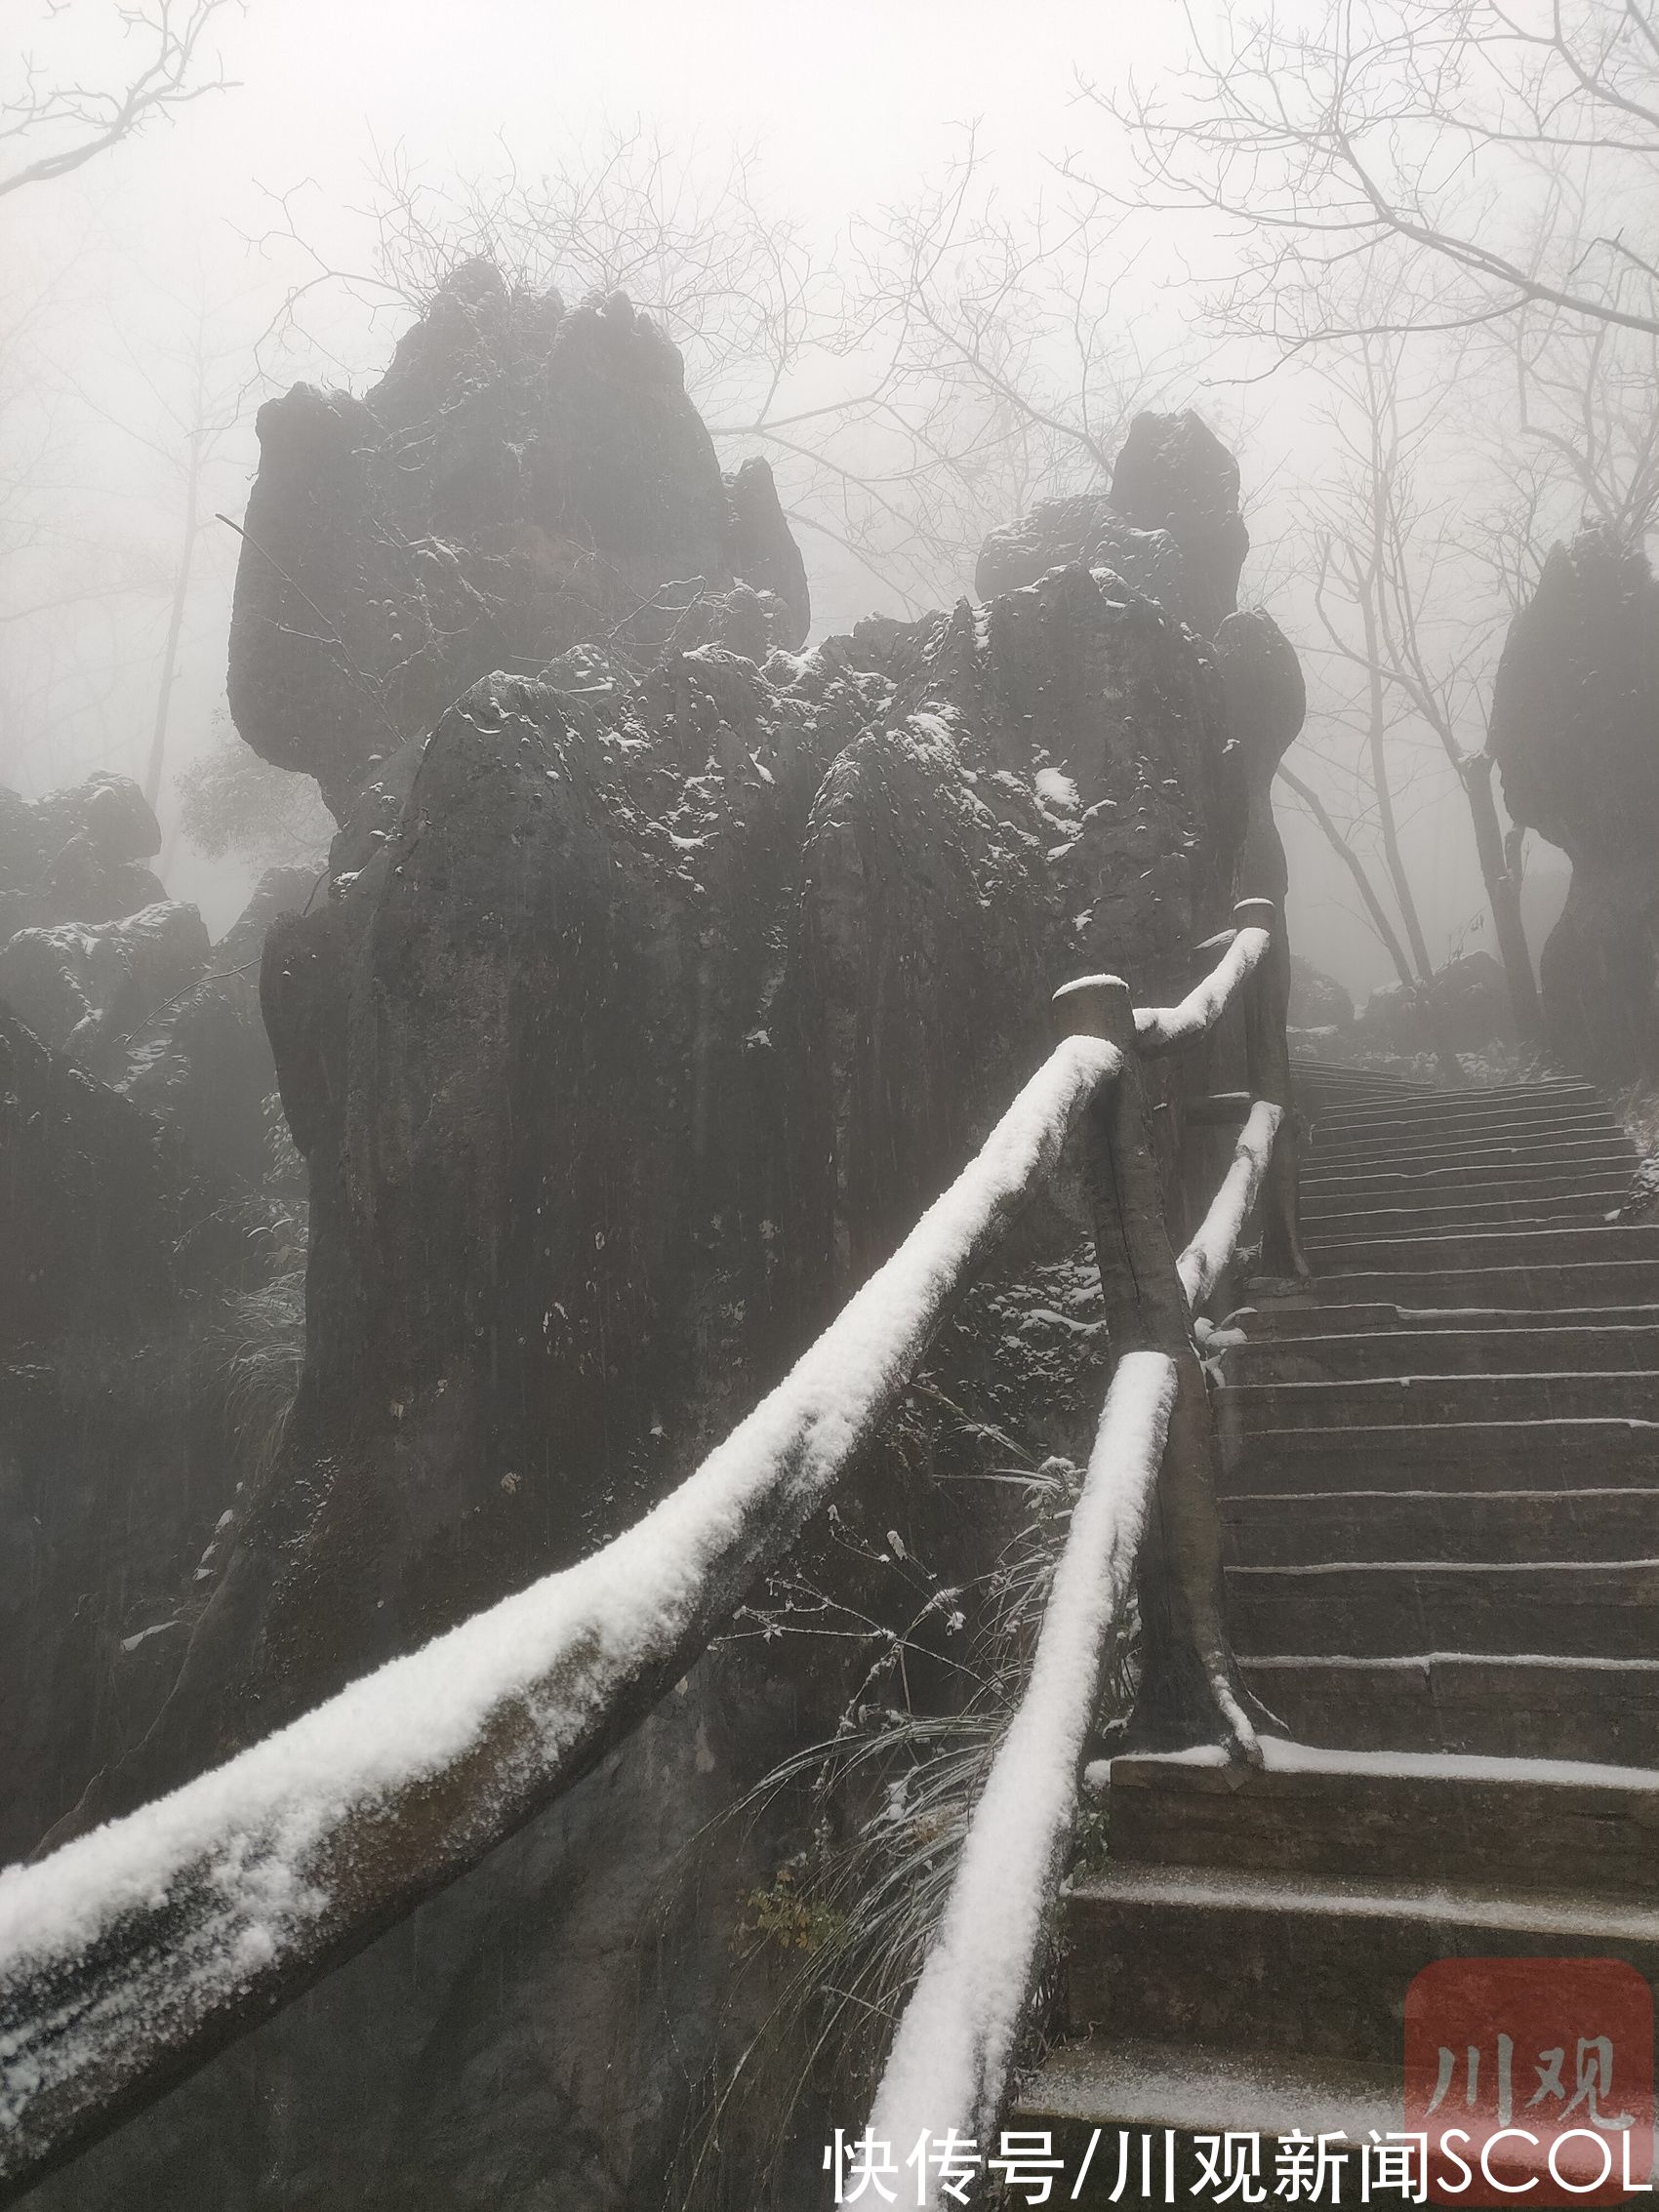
{"x": 1441, "y": 1492}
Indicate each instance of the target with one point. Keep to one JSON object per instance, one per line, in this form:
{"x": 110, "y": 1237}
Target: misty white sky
{"x": 845, "y": 109}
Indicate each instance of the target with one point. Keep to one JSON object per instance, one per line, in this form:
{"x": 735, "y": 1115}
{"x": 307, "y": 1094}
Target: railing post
{"x": 1198, "y": 1165}
{"x": 1267, "y": 1053}
{"x": 1190, "y": 1691}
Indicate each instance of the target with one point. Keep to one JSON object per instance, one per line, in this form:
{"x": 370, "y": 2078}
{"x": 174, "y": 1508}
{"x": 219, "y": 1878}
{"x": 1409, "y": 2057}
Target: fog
{"x": 204, "y": 263}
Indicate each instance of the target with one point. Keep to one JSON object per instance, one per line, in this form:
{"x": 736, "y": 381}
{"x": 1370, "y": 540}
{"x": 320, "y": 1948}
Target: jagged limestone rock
{"x": 76, "y": 855}
{"x": 645, "y": 1007}
{"x": 114, "y": 1460}
{"x": 1174, "y": 473}
{"x": 87, "y": 989}
{"x": 1081, "y": 531}
{"x": 524, "y": 477}
{"x": 1266, "y": 704}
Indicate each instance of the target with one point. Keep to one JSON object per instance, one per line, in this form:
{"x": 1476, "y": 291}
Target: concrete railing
{"x": 132, "y": 1954}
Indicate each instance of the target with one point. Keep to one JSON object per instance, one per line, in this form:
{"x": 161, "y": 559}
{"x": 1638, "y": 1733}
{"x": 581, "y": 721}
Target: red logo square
{"x": 1533, "y": 2079}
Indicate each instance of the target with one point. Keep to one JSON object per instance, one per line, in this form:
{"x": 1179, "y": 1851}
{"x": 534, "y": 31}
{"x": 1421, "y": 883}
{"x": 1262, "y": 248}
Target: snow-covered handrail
{"x": 949, "y": 2060}
{"x": 949, "y": 2065}
{"x": 1165, "y": 1028}
{"x": 130, "y": 1955}
{"x": 1206, "y": 1258}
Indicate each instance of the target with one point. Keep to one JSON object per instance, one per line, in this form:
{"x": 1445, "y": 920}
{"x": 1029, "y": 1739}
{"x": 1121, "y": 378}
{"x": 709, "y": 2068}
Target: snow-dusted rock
{"x": 76, "y": 855}
{"x": 524, "y": 476}
{"x": 86, "y": 988}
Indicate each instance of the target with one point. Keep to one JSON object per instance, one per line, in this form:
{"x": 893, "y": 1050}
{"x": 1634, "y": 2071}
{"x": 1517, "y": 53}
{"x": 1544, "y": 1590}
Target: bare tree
{"x": 1408, "y": 138}
{"x": 922, "y": 381}
{"x": 51, "y": 125}
{"x": 1403, "y": 608}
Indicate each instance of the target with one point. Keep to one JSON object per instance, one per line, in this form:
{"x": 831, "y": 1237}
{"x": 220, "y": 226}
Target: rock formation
{"x": 116, "y": 1460}
{"x": 87, "y": 989}
{"x": 1266, "y": 702}
{"x": 700, "y": 991}
{"x": 142, "y": 1231}
{"x": 1175, "y": 475}
{"x": 1575, "y": 728}
{"x": 76, "y": 855}
{"x": 1169, "y": 526}
{"x": 650, "y": 998}
{"x": 523, "y": 477}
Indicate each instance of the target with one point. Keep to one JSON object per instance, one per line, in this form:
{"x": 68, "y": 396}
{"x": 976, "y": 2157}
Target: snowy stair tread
{"x": 1440, "y": 1495}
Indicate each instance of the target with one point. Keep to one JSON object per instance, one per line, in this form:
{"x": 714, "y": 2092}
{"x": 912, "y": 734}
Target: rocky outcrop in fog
{"x": 634, "y": 1033}
{"x": 1169, "y": 525}
{"x": 1575, "y": 728}
{"x": 76, "y": 855}
{"x": 650, "y": 998}
{"x": 142, "y": 1231}
{"x": 525, "y": 476}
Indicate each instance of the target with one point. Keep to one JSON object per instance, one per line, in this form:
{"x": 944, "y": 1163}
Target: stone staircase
{"x": 1441, "y": 1494}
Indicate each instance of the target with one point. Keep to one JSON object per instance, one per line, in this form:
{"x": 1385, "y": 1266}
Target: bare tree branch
{"x": 78, "y": 122}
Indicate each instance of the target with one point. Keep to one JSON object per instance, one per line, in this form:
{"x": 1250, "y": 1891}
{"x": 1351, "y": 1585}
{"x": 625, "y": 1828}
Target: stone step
{"x": 1500, "y": 1099}
{"x": 1412, "y": 1400}
{"x": 1309, "y": 1528}
{"x": 1450, "y": 1109}
{"x": 1326, "y": 1220}
{"x": 1379, "y": 1354}
{"x": 1535, "y": 1823}
{"x": 1393, "y": 1186}
{"x": 1153, "y": 2092}
{"x": 1324, "y": 1170}
{"x": 1494, "y": 1247}
{"x": 1317, "y": 1318}
{"x": 1537, "y": 1284}
{"x": 1306, "y": 1067}
{"x": 1454, "y": 1455}
{"x": 1359, "y": 1609}
{"x": 1537, "y": 1706}
{"x": 1316, "y": 1965}
{"x": 1328, "y": 1147}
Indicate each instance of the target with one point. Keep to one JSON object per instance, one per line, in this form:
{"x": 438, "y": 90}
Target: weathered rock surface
{"x": 1175, "y": 475}
{"x": 87, "y": 989}
{"x": 645, "y": 1009}
{"x": 204, "y": 1063}
{"x": 1267, "y": 701}
{"x": 641, "y": 1035}
{"x": 114, "y": 1461}
{"x": 1082, "y": 531}
{"x": 1169, "y": 526}
{"x": 633, "y": 1043}
{"x": 137, "y": 1337}
{"x": 76, "y": 855}
{"x": 1575, "y": 728}
{"x": 524, "y": 476}
{"x": 162, "y": 1017}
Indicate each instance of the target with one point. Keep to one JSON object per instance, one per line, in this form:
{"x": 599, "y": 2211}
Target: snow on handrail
{"x": 948, "y": 2064}
{"x": 1165, "y": 1028}
{"x": 1206, "y": 1260}
{"x": 130, "y": 1955}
